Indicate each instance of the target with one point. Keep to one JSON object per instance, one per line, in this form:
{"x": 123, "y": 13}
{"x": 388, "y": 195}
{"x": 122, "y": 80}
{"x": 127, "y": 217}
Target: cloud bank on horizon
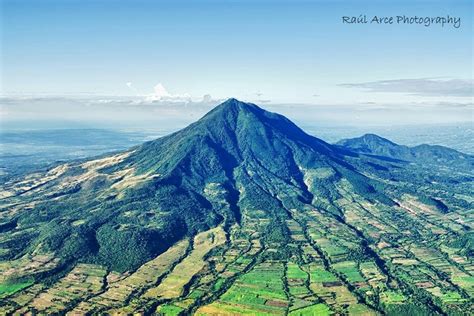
{"x": 420, "y": 87}
{"x": 166, "y": 111}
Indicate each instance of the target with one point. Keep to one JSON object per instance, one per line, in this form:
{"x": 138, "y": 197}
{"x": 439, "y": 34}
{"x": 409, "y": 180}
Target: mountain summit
{"x": 241, "y": 211}
{"x": 235, "y": 132}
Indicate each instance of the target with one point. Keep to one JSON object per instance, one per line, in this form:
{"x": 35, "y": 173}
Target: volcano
{"x": 240, "y": 212}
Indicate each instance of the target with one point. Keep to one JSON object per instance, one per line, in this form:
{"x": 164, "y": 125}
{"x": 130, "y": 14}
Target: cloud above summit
{"x": 161, "y": 94}
{"x": 419, "y": 87}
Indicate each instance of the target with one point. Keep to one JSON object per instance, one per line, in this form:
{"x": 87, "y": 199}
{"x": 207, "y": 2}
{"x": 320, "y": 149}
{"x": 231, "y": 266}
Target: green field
{"x": 7, "y": 289}
{"x": 316, "y": 310}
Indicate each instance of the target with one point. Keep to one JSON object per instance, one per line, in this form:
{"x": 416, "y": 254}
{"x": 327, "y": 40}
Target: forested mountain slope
{"x": 241, "y": 211}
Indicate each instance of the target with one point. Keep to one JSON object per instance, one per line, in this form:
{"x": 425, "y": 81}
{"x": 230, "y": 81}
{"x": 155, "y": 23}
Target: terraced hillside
{"x": 240, "y": 213}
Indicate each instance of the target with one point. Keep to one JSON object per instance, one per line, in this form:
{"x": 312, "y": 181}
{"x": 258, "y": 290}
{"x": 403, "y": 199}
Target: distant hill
{"x": 430, "y": 154}
{"x": 240, "y": 212}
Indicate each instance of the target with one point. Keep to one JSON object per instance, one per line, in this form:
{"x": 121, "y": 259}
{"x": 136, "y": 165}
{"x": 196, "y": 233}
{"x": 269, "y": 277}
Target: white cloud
{"x": 161, "y": 94}
{"x": 420, "y": 87}
{"x": 207, "y": 98}
{"x": 131, "y": 87}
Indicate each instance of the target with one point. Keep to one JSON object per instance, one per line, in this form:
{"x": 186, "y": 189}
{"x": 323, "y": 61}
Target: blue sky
{"x": 275, "y": 52}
